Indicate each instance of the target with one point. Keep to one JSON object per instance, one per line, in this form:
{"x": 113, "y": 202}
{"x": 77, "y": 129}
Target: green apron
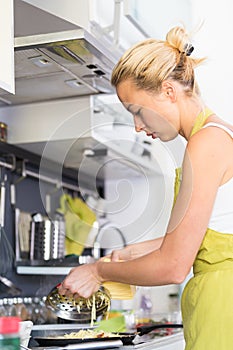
{"x": 207, "y": 300}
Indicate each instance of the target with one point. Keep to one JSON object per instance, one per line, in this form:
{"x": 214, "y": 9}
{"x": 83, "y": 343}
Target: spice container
{"x": 3, "y": 132}
{"x": 9, "y": 333}
{"x": 174, "y": 302}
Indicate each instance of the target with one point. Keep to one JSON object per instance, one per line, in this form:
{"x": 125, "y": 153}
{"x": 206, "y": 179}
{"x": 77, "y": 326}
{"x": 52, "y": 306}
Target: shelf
{"x": 59, "y": 267}
{"x": 43, "y": 270}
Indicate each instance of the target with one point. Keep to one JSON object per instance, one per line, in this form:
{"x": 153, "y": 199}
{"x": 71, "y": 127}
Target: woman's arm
{"x": 204, "y": 166}
{"x": 136, "y": 250}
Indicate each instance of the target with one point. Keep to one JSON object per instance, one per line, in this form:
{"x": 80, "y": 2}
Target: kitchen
{"x": 23, "y": 133}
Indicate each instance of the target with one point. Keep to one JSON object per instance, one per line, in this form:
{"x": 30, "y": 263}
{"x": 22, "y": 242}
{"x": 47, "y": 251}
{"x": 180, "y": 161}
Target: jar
{"x": 9, "y": 333}
{"x": 174, "y": 302}
{"x": 3, "y": 132}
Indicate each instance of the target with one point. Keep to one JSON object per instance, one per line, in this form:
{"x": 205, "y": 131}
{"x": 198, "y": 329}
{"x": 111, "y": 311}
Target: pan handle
{"x": 147, "y": 329}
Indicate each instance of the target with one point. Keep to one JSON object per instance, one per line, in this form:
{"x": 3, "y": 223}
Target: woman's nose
{"x": 138, "y": 128}
{"x": 138, "y": 124}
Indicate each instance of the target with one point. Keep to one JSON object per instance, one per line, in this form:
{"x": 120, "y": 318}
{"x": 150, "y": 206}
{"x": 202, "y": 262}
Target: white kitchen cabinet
{"x": 97, "y": 16}
{"x": 7, "y": 46}
{"x": 125, "y": 21}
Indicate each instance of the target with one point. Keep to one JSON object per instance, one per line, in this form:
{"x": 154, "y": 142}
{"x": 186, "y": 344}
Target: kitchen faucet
{"x": 96, "y": 245}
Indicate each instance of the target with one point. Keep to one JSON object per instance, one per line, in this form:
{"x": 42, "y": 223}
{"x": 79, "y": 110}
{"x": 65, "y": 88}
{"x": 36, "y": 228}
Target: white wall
{"x": 157, "y": 16}
{"x": 141, "y": 206}
{"x": 143, "y": 215}
{"x": 214, "y": 40}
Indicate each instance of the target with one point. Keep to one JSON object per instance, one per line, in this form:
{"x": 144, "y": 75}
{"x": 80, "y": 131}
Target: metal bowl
{"x": 79, "y": 309}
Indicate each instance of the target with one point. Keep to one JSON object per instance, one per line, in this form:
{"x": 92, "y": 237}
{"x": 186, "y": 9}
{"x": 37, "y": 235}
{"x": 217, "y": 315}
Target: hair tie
{"x": 188, "y": 49}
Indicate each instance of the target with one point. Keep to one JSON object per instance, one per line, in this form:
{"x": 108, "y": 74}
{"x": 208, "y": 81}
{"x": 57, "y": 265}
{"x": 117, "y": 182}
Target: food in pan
{"x": 88, "y": 334}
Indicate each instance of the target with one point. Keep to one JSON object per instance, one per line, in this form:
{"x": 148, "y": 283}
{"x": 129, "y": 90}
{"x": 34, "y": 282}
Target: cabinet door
{"x": 7, "y": 46}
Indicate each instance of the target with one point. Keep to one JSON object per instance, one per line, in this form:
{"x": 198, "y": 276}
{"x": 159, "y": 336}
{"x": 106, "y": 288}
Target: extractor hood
{"x": 94, "y": 134}
{"x": 61, "y": 61}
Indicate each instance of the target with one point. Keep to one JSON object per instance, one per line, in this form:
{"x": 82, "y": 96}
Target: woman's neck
{"x": 190, "y": 110}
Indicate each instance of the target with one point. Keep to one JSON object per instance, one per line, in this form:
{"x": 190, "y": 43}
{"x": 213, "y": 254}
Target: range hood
{"x": 65, "y": 108}
{"x": 56, "y": 59}
{"x": 94, "y": 134}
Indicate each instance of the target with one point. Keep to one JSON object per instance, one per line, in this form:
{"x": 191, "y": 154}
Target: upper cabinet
{"x": 105, "y": 19}
{"x": 125, "y": 21}
{"x": 7, "y": 46}
{"x": 68, "y": 48}
{"x": 56, "y": 59}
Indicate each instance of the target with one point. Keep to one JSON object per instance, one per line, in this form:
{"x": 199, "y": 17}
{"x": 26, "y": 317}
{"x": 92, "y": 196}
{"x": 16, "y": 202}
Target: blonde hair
{"x": 151, "y": 61}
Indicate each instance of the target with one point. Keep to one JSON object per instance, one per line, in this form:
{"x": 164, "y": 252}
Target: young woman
{"x": 155, "y": 82}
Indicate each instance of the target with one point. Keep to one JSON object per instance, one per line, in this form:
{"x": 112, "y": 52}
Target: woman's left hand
{"x": 82, "y": 280}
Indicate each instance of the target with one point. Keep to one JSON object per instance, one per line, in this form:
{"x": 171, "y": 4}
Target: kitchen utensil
{"x": 47, "y": 237}
{"x": 124, "y": 339}
{"x": 24, "y": 347}
{"x": 40, "y": 238}
{"x": 57, "y": 250}
{"x": 9, "y": 287}
{"x": 22, "y": 225}
{"x": 77, "y": 308}
{"x": 6, "y": 251}
{"x": 7, "y": 256}
{"x": 147, "y": 329}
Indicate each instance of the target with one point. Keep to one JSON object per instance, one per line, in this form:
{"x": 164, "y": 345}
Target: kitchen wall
{"x": 141, "y": 206}
{"x": 214, "y": 41}
{"x": 143, "y": 215}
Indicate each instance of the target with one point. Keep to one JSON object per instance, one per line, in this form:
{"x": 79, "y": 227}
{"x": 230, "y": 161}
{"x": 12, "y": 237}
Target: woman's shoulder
{"x": 220, "y": 124}
{"x": 211, "y": 148}
{"x": 212, "y": 134}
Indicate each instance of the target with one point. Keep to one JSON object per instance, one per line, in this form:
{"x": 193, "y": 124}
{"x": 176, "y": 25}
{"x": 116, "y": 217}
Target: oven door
{"x": 169, "y": 342}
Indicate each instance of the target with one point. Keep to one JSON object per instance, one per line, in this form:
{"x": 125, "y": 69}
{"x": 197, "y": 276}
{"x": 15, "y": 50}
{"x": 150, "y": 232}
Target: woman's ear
{"x": 169, "y": 90}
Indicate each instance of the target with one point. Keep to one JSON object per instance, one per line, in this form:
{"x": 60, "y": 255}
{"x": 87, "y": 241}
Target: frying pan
{"x": 126, "y": 338}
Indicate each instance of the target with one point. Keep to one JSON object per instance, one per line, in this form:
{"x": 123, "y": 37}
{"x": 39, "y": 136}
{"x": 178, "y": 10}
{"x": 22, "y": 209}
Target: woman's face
{"x": 155, "y": 114}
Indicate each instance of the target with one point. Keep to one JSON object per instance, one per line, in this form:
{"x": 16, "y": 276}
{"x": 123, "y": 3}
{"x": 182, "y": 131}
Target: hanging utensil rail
{"x": 45, "y": 178}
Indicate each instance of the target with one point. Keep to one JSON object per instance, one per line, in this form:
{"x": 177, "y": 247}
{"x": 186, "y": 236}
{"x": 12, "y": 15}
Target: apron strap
{"x": 199, "y": 122}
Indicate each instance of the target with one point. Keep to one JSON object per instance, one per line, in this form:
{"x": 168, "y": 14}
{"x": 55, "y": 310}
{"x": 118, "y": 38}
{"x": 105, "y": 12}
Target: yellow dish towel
{"x": 79, "y": 219}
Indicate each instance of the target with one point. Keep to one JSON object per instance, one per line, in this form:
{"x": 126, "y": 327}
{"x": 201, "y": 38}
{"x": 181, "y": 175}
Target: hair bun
{"x": 178, "y": 38}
